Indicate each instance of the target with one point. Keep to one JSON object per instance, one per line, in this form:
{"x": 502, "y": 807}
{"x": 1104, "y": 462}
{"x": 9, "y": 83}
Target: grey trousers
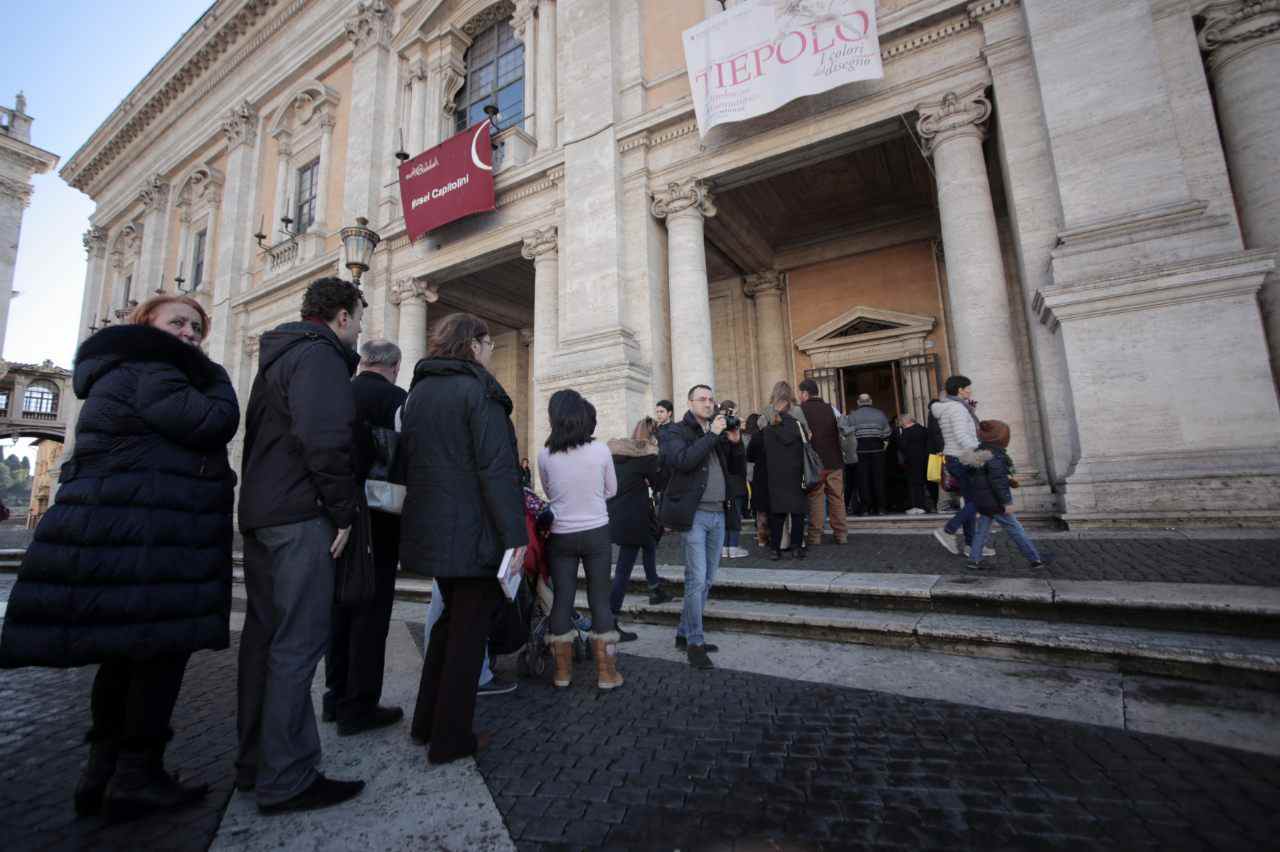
{"x": 288, "y": 578}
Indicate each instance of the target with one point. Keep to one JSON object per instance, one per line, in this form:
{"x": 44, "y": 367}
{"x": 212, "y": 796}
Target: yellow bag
{"x": 934, "y": 471}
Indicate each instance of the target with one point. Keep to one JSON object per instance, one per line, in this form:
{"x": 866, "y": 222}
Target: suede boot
{"x": 562, "y": 652}
{"x": 140, "y": 786}
{"x": 605, "y": 646}
{"x": 93, "y": 779}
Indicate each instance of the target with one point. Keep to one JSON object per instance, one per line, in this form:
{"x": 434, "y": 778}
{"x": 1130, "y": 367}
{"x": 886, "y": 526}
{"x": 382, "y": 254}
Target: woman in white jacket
{"x": 959, "y": 433}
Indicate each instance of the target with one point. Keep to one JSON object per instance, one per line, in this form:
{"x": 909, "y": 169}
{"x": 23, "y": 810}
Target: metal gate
{"x": 830, "y": 387}
{"x": 920, "y": 378}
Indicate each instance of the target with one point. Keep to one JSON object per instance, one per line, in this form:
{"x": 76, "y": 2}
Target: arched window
{"x": 495, "y": 75}
{"x": 40, "y": 398}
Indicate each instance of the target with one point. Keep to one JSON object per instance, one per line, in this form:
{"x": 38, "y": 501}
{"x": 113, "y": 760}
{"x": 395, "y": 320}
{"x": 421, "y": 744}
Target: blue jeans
{"x": 1010, "y": 522}
{"x": 963, "y": 518}
{"x": 434, "y": 610}
{"x": 702, "y": 544}
{"x": 622, "y": 572}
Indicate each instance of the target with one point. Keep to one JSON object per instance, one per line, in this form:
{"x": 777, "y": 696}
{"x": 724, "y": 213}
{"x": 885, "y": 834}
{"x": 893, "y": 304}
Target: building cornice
{"x": 36, "y": 159}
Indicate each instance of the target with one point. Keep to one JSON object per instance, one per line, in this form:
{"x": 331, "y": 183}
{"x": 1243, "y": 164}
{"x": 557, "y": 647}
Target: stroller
{"x": 537, "y": 586}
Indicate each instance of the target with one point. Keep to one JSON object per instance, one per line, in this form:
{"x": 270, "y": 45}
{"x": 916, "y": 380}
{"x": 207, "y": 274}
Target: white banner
{"x": 761, "y": 54}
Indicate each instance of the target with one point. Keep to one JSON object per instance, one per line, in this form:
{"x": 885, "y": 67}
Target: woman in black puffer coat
{"x": 131, "y": 567}
{"x": 782, "y": 454}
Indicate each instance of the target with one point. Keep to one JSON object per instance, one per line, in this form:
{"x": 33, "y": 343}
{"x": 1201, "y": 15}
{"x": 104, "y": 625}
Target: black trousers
{"x": 776, "y": 522}
{"x": 850, "y": 487}
{"x": 915, "y": 486}
{"x": 356, "y": 659}
{"x": 446, "y": 706}
{"x": 132, "y": 701}
{"x": 871, "y": 481}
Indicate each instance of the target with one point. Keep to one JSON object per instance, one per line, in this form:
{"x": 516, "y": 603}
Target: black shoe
{"x": 682, "y": 644}
{"x": 140, "y": 786}
{"x": 659, "y": 595}
{"x": 93, "y": 780}
{"x": 323, "y": 793}
{"x": 381, "y": 717}
{"x": 626, "y": 635}
{"x": 1039, "y": 563}
{"x": 328, "y": 714}
{"x": 776, "y": 555}
{"x": 698, "y": 658}
{"x": 496, "y": 686}
{"x": 802, "y": 553}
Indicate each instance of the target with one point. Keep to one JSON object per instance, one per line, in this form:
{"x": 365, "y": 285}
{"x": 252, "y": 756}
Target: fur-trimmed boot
{"x": 562, "y": 652}
{"x": 605, "y": 646}
{"x": 93, "y": 779}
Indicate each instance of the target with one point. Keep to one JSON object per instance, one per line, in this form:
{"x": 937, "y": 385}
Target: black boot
{"x": 140, "y": 786}
{"x": 776, "y": 555}
{"x": 93, "y": 780}
{"x": 802, "y": 551}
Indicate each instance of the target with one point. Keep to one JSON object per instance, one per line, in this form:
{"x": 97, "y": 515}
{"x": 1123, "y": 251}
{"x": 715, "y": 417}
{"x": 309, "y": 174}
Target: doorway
{"x": 878, "y": 381}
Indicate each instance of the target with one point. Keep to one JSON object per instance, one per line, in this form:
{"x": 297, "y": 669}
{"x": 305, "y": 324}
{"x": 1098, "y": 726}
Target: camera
{"x": 731, "y": 419}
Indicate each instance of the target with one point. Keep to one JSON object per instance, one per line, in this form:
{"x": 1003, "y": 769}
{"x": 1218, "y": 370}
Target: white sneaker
{"x": 915, "y": 510}
{"x": 724, "y": 553}
{"x": 948, "y": 541}
{"x": 986, "y": 551}
{"x": 738, "y": 552}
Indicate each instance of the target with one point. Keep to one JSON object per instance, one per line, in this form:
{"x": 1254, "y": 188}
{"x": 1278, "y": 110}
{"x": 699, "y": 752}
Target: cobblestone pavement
{"x": 723, "y": 759}
{"x": 44, "y": 714}
{"x": 1170, "y": 559}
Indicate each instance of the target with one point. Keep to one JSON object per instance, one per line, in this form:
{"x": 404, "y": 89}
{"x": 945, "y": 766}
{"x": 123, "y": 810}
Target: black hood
{"x": 429, "y": 367}
{"x": 691, "y": 420}
{"x": 117, "y": 344}
{"x": 282, "y": 338}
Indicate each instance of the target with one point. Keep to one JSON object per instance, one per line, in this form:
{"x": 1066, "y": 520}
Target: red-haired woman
{"x": 131, "y": 567}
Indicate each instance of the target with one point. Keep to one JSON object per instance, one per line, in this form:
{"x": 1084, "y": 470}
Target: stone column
{"x": 766, "y": 289}
{"x": 530, "y": 398}
{"x": 417, "y": 107}
{"x": 524, "y": 27}
{"x": 95, "y": 246}
{"x": 1242, "y": 39}
{"x": 284, "y": 154}
{"x": 235, "y": 223}
{"x": 546, "y": 107}
{"x": 684, "y": 205}
{"x": 369, "y": 31}
{"x": 148, "y": 275}
{"x": 327, "y": 122}
{"x": 543, "y": 248}
{"x": 412, "y": 295}
{"x": 978, "y": 294}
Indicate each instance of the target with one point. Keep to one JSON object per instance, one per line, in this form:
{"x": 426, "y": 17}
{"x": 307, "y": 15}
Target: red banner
{"x": 445, "y": 183}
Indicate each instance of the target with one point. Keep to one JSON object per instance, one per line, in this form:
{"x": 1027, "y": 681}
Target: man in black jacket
{"x": 701, "y": 455}
{"x": 355, "y": 663}
{"x": 297, "y": 504}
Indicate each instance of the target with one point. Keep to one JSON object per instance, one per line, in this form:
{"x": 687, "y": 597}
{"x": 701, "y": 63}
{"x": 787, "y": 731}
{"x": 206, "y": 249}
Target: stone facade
{"x": 19, "y": 160}
{"x": 1058, "y": 200}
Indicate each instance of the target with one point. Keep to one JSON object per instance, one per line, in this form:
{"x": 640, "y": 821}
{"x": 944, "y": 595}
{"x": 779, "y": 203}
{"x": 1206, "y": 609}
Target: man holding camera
{"x": 702, "y": 454}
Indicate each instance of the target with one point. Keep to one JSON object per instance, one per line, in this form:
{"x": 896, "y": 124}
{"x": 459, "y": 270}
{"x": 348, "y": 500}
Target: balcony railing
{"x": 39, "y": 415}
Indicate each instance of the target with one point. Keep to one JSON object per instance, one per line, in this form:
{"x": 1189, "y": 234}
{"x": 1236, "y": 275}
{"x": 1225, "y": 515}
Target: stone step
{"x": 1198, "y": 656}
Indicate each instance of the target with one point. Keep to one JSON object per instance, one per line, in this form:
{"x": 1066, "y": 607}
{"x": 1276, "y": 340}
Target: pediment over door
{"x": 863, "y": 335}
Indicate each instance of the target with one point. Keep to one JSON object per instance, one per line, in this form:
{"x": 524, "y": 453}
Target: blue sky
{"x": 75, "y": 60}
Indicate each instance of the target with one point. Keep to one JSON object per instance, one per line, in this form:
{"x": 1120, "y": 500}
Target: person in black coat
{"x": 633, "y": 521}
{"x": 913, "y": 453}
{"x": 782, "y": 454}
{"x": 131, "y": 567}
{"x": 463, "y": 509}
{"x": 355, "y": 662}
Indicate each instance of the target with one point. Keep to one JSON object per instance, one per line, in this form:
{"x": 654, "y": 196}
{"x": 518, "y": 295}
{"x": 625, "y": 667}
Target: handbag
{"x": 384, "y": 488}
{"x": 355, "y": 582}
{"x": 933, "y": 471}
{"x": 812, "y": 463}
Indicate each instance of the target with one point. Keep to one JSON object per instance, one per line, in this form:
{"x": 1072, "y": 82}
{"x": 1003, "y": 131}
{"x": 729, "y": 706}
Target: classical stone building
{"x": 1076, "y": 204}
{"x": 19, "y": 160}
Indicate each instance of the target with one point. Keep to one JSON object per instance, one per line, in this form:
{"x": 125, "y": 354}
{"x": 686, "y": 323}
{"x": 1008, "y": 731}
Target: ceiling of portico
{"x": 817, "y": 202}
{"x": 502, "y": 293}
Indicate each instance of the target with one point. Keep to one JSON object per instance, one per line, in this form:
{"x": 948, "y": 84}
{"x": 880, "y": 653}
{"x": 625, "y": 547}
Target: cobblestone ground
{"x": 1247, "y": 561}
{"x": 722, "y": 759}
{"x": 44, "y": 714}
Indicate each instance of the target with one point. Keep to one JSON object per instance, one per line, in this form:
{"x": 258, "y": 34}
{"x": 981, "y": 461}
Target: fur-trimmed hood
{"x": 631, "y": 448}
{"x": 975, "y": 457}
{"x": 117, "y": 344}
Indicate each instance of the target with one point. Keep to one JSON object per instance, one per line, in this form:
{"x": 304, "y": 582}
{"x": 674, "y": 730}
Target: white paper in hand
{"x": 511, "y": 571}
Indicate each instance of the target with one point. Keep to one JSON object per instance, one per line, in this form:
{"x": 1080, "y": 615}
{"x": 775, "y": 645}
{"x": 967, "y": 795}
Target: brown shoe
{"x": 563, "y": 654}
{"x": 606, "y": 654}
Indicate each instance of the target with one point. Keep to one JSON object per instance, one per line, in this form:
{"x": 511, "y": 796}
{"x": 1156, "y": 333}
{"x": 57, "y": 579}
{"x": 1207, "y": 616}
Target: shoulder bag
{"x": 812, "y": 462}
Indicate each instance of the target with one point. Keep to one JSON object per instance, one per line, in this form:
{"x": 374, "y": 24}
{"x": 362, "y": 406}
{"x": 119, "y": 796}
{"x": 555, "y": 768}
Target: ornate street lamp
{"x": 358, "y": 243}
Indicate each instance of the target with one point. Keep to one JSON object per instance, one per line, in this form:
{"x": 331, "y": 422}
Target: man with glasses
{"x": 701, "y": 454}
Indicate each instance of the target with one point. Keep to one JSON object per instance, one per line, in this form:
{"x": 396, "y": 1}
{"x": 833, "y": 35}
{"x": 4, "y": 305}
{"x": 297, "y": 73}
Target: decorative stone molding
{"x": 203, "y": 186}
{"x": 328, "y": 121}
{"x": 154, "y": 194}
{"x": 310, "y": 100}
{"x": 369, "y": 26}
{"x": 542, "y": 242}
{"x": 451, "y": 80}
{"x": 954, "y": 116}
{"x": 127, "y": 246}
{"x": 1232, "y": 28}
{"x": 416, "y": 70}
{"x": 982, "y": 8}
{"x": 500, "y": 11}
{"x": 252, "y": 344}
{"x": 19, "y": 189}
{"x": 406, "y": 289}
{"x": 95, "y": 242}
{"x": 689, "y": 194}
{"x": 522, "y": 18}
{"x": 770, "y": 282}
{"x": 526, "y": 336}
{"x": 240, "y": 127}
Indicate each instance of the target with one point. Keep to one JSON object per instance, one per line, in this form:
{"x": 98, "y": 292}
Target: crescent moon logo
{"x": 475, "y": 157}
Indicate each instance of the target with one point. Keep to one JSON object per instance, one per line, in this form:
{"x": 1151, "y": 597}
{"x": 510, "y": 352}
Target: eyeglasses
{"x": 485, "y": 341}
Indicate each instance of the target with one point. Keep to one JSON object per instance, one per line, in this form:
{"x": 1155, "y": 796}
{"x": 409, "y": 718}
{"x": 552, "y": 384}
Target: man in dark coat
{"x": 356, "y": 660}
{"x": 298, "y": 501}
{"x": 700, "y": 454}
{"x": 913, "y": 449}
{"x": 826, "y": 441}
